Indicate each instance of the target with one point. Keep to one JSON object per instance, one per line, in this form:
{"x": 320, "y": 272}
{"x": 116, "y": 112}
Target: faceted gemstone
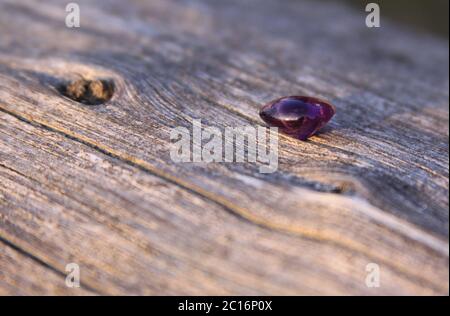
{"x": 298, "y": 116}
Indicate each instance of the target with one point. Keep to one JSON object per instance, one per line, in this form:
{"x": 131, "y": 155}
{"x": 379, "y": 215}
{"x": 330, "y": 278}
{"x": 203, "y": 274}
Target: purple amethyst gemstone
{"x": 298, "y": 116}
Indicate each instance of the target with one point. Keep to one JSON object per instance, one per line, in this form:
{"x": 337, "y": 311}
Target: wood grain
{"x": 95, "y": 184}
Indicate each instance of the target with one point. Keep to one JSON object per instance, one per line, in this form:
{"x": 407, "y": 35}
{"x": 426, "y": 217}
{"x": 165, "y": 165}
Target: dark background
{"x": 424, "y": 15}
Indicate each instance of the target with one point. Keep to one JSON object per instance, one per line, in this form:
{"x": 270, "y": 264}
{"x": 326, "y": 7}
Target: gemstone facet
{"x": 298, "y": 116}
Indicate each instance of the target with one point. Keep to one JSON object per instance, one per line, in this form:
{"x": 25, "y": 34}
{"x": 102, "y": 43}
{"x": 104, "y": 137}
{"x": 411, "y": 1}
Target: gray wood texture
{"x": 95, "y": 185}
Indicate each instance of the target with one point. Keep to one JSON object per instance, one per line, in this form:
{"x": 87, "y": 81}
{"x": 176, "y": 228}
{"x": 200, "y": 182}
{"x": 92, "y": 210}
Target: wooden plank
{"x": 134, "y": 233}
{"x": 373, "y": 188}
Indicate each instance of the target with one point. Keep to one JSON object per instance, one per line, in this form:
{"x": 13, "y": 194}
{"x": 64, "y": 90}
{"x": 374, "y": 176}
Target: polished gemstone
{"x": 298, "y": 116}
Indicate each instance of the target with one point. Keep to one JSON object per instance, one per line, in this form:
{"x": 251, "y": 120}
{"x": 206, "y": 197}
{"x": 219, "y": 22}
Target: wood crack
{"x": 44, "y": 264}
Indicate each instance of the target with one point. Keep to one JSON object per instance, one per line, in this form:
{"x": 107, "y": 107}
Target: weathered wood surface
{"x": 95, "y": 184}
